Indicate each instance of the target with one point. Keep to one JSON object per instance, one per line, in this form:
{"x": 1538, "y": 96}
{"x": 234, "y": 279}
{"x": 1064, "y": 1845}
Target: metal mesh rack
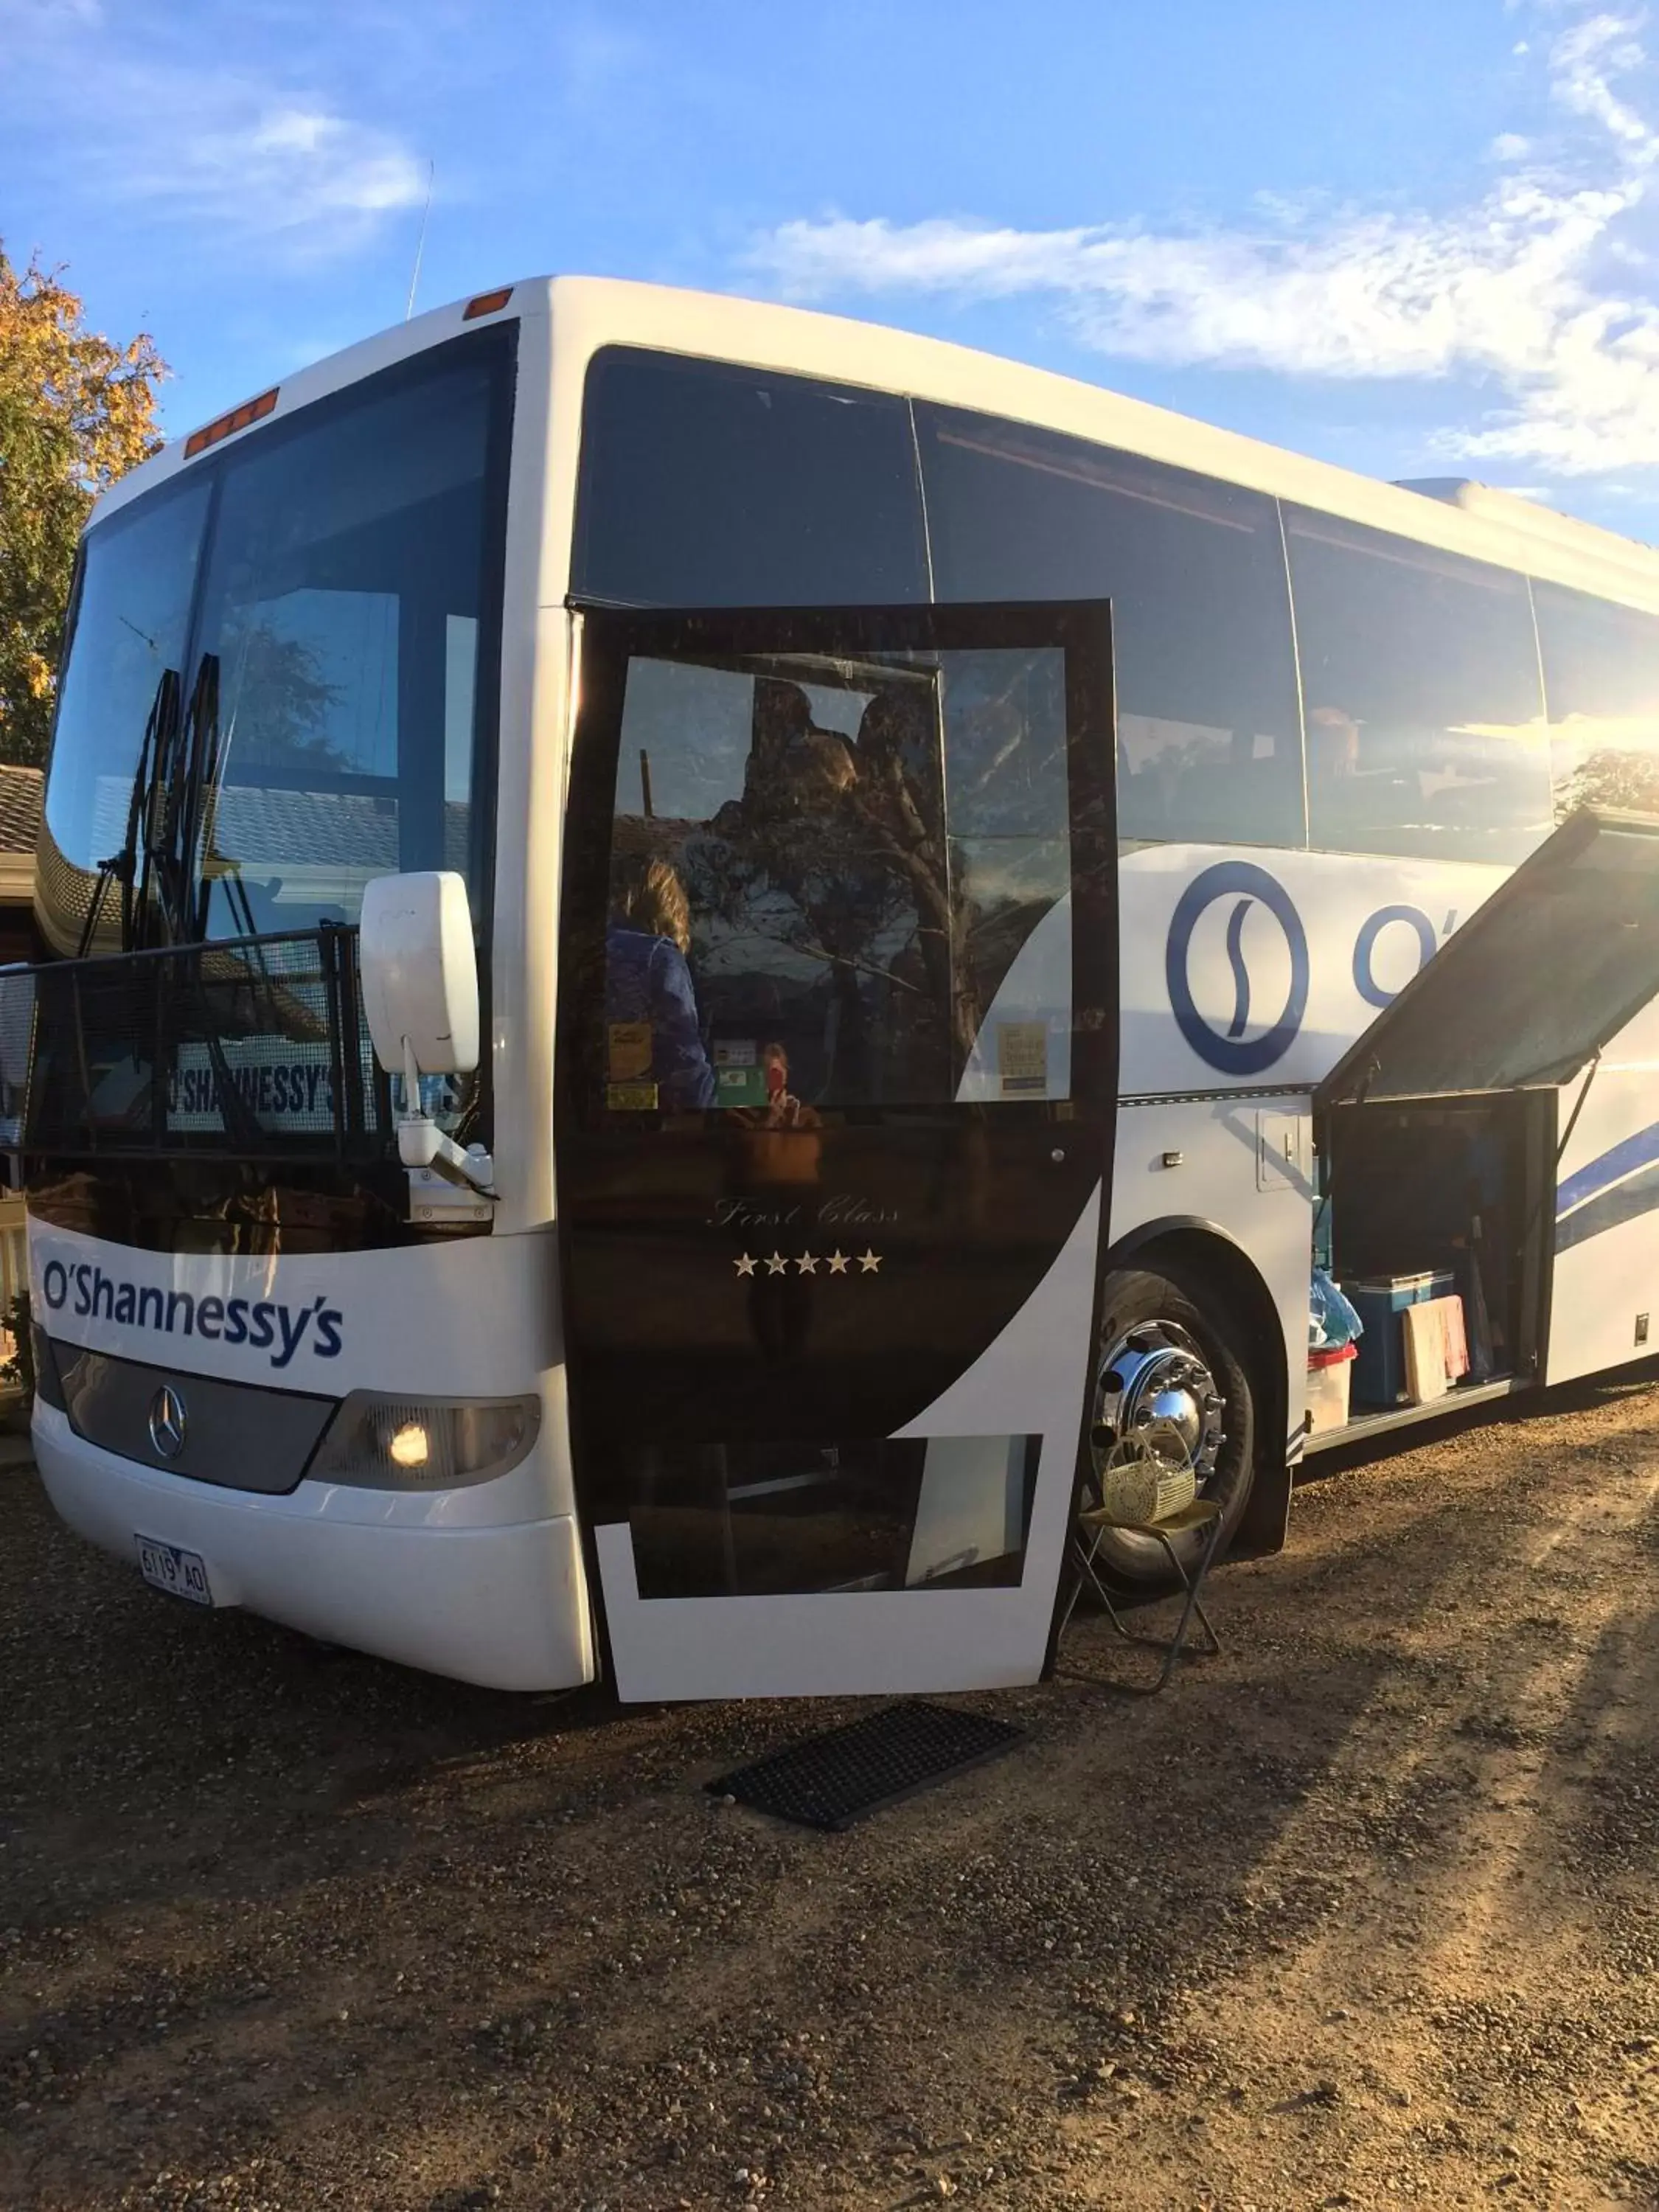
{"x": 254, "y": 1049}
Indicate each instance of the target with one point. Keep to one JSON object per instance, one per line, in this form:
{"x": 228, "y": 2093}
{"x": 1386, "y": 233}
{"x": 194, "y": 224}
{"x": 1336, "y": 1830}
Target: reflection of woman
{"x": 649, "y": 984}
{"x": 779, "y": 1142}
{"x": 775, "y": 1156}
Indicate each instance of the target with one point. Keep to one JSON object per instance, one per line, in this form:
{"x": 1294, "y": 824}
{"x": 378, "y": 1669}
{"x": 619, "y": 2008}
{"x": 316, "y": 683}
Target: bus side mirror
{"x": 420, "y": 974}
{"x": 420, "y": 980}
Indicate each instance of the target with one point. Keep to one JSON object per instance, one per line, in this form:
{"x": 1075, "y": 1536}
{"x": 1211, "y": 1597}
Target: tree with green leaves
{"x": 77, "y": 410}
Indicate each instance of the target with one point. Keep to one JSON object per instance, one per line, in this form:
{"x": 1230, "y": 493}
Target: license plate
{"x": 181, "y": 1574}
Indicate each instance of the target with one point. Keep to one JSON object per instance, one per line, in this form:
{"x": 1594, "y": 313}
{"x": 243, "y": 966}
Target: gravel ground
{"x": 1363, "y": 1913}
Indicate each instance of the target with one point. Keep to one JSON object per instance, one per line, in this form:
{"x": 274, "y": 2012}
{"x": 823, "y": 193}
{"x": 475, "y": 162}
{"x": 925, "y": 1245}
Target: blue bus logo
{"x": 1230, "y": 1049}
{"x": 1365, "y": 980}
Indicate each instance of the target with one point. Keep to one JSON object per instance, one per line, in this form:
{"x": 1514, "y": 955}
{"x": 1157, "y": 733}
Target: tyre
{"x": 1171, "y": 1370}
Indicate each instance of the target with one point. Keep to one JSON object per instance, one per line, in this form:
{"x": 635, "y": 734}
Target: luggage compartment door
{"x": 1560, "y": 956}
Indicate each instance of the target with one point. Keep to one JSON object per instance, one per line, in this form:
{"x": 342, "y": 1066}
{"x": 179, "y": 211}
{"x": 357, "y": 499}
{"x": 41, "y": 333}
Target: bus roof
{"x": 586, "y": 313}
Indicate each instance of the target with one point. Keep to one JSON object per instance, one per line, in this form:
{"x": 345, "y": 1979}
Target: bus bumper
{"x": 503, "y": 1605}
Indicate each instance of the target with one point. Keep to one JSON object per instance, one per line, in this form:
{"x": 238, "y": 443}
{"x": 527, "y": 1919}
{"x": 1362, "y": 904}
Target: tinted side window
{"x": 1601, "y": 681}
{"x": 705, "y": 485}
{"x": 1419, "y": 685}
{"x": 1208, "y": 744}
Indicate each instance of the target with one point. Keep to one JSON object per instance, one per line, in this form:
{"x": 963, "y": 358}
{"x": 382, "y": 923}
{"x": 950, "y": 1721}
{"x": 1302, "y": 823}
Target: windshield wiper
{"x": 156, "y": 868}
{"x": 183, "y": 772}
{"x": 122, "y": 867}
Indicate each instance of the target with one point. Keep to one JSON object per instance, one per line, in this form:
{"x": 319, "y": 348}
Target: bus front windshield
{"x": 337, "y": 576}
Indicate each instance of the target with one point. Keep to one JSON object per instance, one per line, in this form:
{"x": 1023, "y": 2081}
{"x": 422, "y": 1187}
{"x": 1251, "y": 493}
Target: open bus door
{"x": 1438, "y": 1127}
{"x": 835, "y": 1078}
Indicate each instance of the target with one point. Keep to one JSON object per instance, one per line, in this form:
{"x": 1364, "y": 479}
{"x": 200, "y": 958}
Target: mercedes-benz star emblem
{"x": 168, "y": 1422}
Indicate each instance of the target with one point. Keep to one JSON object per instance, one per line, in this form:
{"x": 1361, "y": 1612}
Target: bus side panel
{"x": 1245, "y": 1169}
{"x": 1604, "y": 1309}
{"x": 1280, "y": 959}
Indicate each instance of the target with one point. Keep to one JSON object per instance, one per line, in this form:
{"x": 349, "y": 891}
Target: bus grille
{"x": 240, "y": 1436}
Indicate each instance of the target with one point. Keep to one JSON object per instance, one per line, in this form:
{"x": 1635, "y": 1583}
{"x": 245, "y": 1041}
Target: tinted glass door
{"x": 836, "y": 1073}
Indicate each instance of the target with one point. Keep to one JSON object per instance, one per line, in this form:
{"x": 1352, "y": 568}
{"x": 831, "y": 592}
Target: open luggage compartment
{"x": 1438, "y": 1198}
{"x": 1437, "y": 1129}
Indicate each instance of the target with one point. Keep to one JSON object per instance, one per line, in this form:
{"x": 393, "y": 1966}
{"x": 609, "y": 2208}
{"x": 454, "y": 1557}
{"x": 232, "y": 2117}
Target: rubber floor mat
{"x": 830, "y": 1781}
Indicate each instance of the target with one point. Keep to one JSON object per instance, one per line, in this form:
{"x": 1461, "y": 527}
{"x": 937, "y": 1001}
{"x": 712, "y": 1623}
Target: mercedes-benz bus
{"x": 697, "y": 954}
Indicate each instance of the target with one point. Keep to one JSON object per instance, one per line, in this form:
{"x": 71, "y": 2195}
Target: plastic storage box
{"x": 1328, "y": 1374}
{"x": 1379, "y": 1372}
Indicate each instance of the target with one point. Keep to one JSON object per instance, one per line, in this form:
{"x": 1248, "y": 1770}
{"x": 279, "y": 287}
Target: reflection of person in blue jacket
{"x": 646, "y": 979}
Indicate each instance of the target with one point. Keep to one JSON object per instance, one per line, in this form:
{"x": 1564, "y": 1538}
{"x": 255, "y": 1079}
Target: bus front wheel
{"x": 1171, "y": 1375}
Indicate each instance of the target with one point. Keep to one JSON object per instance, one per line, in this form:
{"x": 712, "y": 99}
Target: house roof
{"x": 20, "y": 790}
{"x": 321, "y": 846}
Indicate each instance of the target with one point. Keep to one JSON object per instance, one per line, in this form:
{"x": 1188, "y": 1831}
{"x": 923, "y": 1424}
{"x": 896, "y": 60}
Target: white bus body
{"x": 1281, "y": 955}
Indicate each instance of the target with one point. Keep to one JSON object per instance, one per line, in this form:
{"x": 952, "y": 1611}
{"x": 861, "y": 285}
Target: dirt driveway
{"x": 1366, "y": 1912}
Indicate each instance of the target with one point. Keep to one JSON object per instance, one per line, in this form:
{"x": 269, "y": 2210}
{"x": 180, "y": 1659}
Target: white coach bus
{"x": 698, "y": 949}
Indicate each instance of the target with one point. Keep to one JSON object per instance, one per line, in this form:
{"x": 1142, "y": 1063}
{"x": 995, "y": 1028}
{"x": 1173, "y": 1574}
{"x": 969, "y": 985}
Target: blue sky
{"x": 1416, "y": 238}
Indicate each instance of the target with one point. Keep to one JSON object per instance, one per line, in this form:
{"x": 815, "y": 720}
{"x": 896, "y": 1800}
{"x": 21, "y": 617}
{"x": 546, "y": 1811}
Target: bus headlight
{"x": 382, "y": 1443}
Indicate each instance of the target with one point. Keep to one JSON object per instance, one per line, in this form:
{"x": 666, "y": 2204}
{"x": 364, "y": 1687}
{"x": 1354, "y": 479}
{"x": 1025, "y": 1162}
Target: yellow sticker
{"x": 628, "y": 1051}
{"x": 631, "y": 1097}
{"x": 1023, "y": 1057}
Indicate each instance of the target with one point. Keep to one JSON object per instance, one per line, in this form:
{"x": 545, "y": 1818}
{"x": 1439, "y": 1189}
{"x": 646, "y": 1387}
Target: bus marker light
{"x": 486, "y": 303}
{"x": 225, "y": 426}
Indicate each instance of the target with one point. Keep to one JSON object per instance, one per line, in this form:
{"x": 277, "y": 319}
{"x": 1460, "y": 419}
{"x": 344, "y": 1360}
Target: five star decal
{"x": 808, "y": 1263}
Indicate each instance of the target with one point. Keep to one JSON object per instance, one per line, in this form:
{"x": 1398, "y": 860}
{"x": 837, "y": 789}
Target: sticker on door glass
{"x": 739, "y": 1078}
{"x": 631, "y": 1097}
{"x": 739, "y": 1087}
{"x": 628, "y": 1051}
{"x": 1023, "y": 1058}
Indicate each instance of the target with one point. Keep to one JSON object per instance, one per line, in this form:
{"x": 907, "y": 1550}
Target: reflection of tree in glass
{"x": 833, "y": 900}
{"x": 278, "y": 699}
{"x": 1007, "y": 743}
{"x": 1614, "y": 778}
{"x": 1008, "y": 811}
{"x": 836, "y": 854}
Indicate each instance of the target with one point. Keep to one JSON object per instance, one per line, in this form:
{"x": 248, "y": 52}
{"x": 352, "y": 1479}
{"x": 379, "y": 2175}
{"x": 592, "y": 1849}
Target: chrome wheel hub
{"x": 1155, "y": 1397}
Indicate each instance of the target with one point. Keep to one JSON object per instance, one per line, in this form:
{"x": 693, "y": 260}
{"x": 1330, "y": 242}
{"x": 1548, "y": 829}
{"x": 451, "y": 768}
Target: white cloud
{"x": 1512, "y": 288}
{"x": 277, "y": 170}
{"x": 48, "y": 15}
{"x": 230, "y": 152}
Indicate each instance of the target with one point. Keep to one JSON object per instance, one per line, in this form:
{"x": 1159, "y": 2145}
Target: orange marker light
{"x": 486, "y": 303}
{"x": 251, "y": 410}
